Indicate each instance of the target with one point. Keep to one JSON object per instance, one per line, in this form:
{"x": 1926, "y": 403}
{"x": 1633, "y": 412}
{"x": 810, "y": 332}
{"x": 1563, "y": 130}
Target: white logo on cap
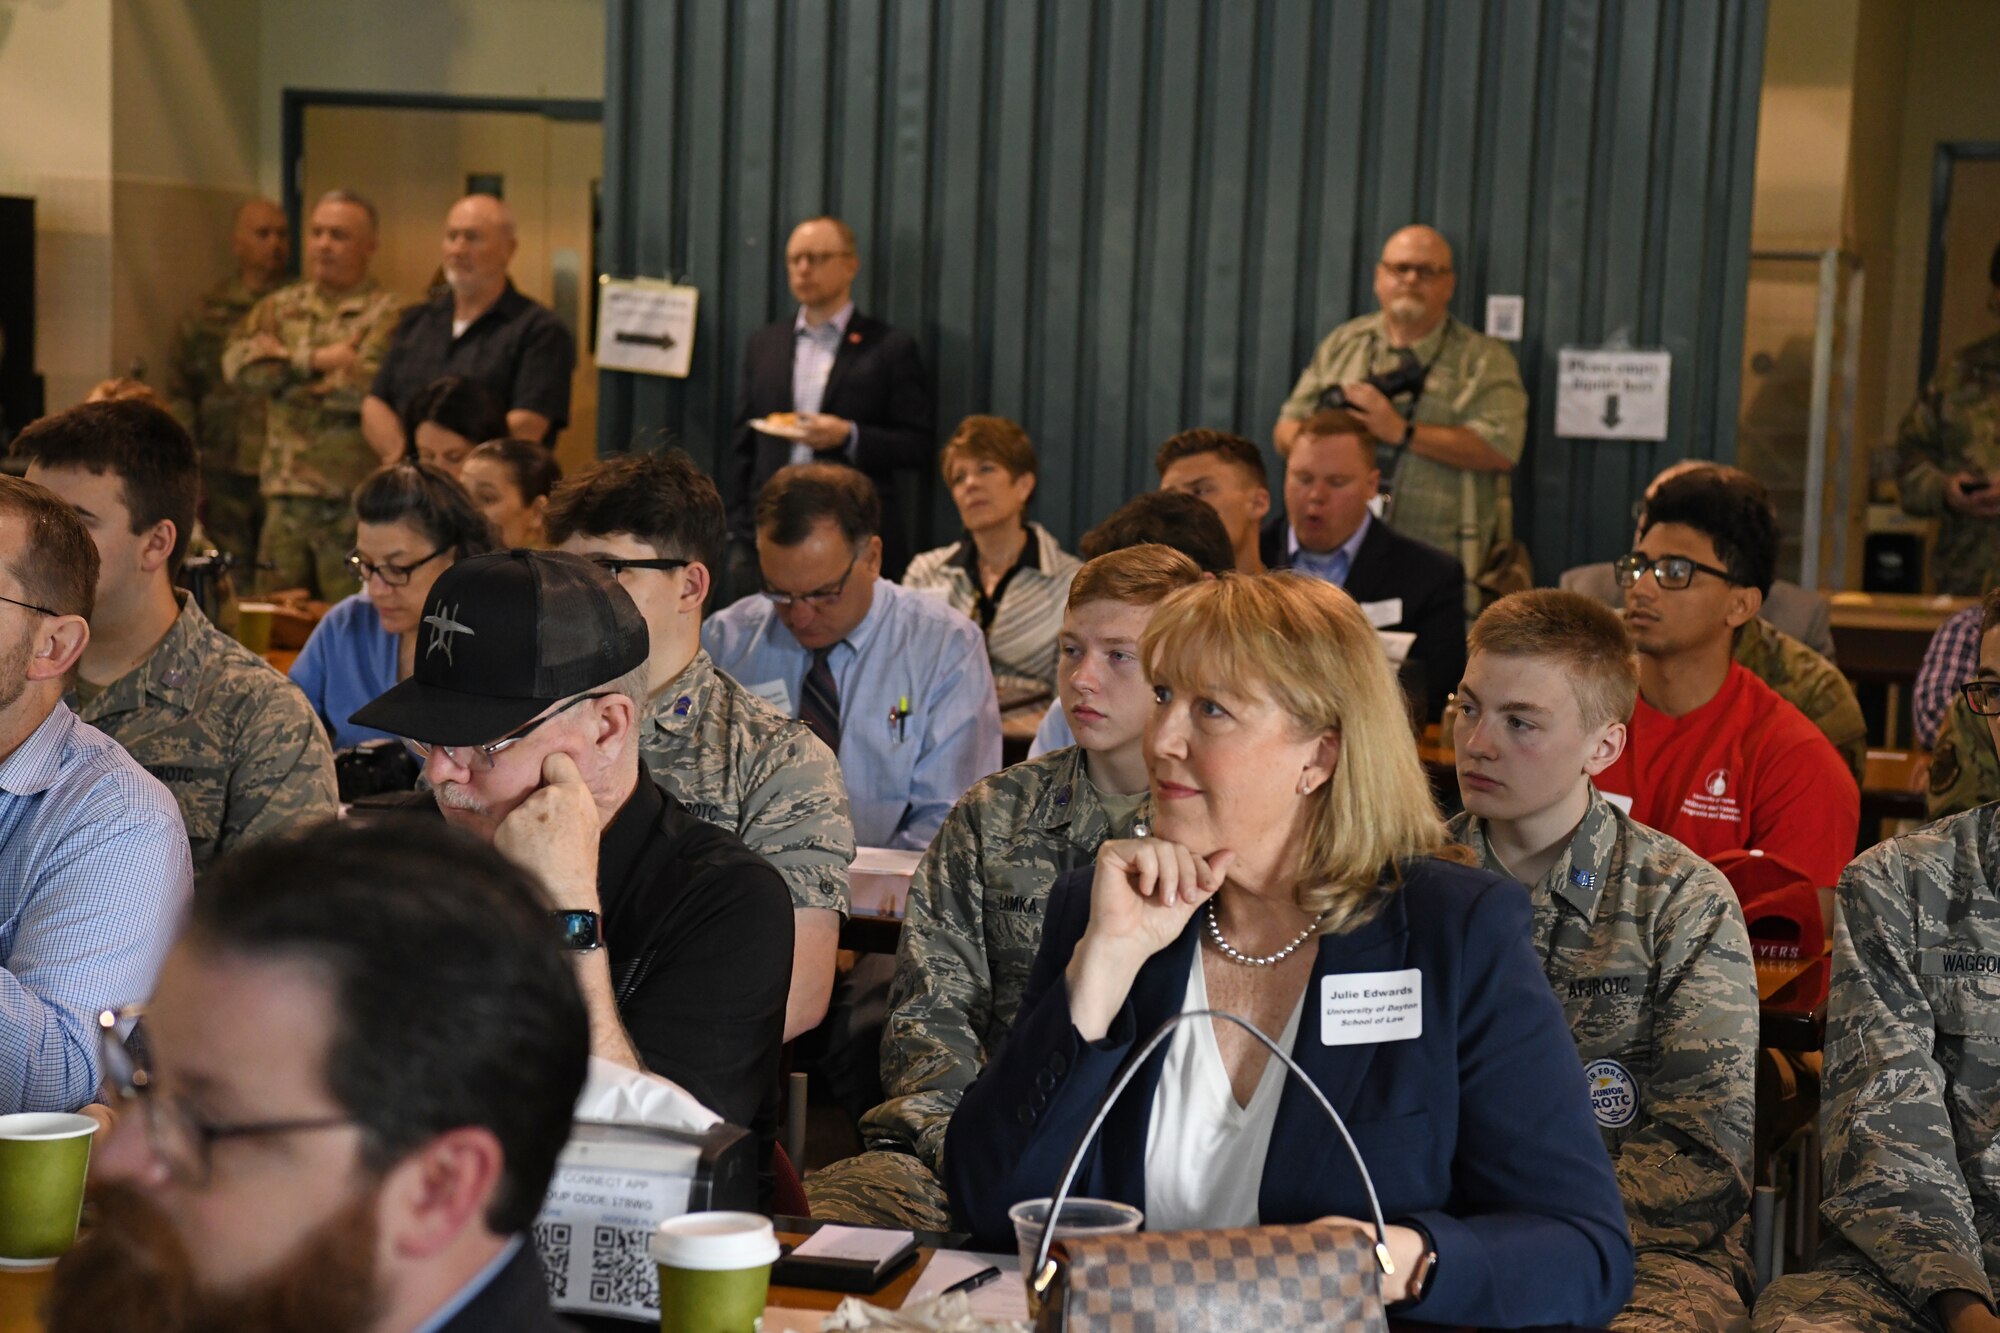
{"x": 443, "y": 626}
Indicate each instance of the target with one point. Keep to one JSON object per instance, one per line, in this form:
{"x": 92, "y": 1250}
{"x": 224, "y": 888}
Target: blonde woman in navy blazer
{"x": 1290, "y": 810}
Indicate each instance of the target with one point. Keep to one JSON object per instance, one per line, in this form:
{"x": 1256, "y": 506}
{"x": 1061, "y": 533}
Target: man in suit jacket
{"x": 857, "y": 385}
{"x": 1402, "y": 584}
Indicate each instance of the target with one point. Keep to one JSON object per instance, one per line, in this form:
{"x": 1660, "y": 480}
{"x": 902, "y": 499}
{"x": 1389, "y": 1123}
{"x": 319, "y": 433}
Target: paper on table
{"x": 885, "y": 861}
{"x": 870, "y": 1245}
{"x": 1003, "y": 1298}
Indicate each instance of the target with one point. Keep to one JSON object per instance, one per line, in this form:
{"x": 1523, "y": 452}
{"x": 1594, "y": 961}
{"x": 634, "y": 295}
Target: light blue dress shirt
{"x": 481, "y": 1280}
{"x": 1332, "y": 566}
{"x": 94, "y": 874}
{"x": 814, "y": 348}
{"x": 348, "y": 661}
{"x": 902, "y": 777}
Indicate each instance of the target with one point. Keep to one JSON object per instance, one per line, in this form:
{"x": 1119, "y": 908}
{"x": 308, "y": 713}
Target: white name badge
{"x": 1384, "y": 613}
{"x": 1624, "y": 803}
{"x": 1360, "y": 1008}
{"x": 775, "y": 693}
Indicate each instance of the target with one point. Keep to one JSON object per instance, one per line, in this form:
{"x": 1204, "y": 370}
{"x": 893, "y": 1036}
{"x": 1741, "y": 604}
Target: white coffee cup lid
{"x": 46, "y": 1125}
{"x": 715, "y": 1242}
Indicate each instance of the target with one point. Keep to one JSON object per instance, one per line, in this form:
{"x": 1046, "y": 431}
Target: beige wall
{"x": 55, "y": 144}
{"x": 492, "y": 48}
{"x": 1802, "y": 123}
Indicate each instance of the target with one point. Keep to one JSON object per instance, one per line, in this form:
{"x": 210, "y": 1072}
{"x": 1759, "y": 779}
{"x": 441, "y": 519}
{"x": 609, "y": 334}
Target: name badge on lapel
{"x": 1384, "y": 613}
{"x": 1362, "y": 1008}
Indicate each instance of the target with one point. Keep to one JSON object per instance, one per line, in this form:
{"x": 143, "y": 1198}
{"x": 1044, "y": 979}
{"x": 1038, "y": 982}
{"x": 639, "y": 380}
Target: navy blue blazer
{"x": 1480, "y": 1129}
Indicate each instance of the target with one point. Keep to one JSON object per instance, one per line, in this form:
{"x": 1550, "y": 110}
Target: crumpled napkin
{"x": 949, "y": 1313}
{"x": 615, "y": 1095}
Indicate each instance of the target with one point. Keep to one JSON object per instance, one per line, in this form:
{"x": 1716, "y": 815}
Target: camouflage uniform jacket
{"x": 1952, "y": 427}
{"x": 226, "y": 422}
{"x": 734, "y": 760}
{"x": 1811, "y": 684}
{"x": 970, "y": 934}
{"x": 1910, "y": 1110}
{"x": 233, "y": 739}
{"x": 1645, "y": 945}
{"x": 1474, "y": 382}
{"x": 313, "y": 442}
{"x": 1964, "y": 770}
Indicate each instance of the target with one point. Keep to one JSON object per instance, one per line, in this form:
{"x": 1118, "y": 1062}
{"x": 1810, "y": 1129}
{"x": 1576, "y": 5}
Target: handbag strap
{"x": 1131, "y": 1071}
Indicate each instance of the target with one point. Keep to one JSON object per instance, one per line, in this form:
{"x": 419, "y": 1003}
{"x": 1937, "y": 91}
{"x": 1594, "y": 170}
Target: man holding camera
{"x": 1453, "y": 418}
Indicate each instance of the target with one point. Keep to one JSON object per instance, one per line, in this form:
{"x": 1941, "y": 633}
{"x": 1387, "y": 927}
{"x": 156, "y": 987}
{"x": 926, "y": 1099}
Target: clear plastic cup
{"x": 1080, "y": 1217}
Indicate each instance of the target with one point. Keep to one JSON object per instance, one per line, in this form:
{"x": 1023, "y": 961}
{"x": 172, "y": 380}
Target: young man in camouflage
{"x": 659, "y": 525}
{"x": 974, "y": 918}
{"x": 227, "y": 423}
{"x": 1910, "y": 1118}
{"x": 233, "y": 739}
{"x": 311, "y": 350}
{"x": 1948, "y": 460}
{"x": 1642, "y": 940}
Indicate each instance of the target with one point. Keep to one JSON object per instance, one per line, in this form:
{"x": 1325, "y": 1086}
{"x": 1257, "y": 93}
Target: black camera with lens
{"x": 1405, "y": 379}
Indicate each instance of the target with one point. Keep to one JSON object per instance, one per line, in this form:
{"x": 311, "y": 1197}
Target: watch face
{"x": 578, "y": 930}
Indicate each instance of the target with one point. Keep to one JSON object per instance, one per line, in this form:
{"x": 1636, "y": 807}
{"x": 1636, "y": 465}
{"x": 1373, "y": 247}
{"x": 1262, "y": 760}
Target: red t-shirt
{"x": 1745, "y": 771}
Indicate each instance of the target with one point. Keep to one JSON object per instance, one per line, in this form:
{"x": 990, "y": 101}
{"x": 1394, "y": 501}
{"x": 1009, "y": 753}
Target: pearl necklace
{"x": 1235, "y": 955}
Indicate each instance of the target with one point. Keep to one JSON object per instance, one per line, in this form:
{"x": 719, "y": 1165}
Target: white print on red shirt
{"x": 1713, "y": 801}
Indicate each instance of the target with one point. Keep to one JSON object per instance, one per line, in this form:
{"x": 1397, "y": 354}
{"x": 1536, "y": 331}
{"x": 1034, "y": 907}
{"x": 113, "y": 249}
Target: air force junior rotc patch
{"x": 1614, "y": 1097}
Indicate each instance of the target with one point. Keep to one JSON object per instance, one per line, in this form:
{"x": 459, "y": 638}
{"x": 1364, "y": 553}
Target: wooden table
{"x": 1880, "y": 638}
{"x": 21, "y": 1292}
{"x": 1892, "y": 789}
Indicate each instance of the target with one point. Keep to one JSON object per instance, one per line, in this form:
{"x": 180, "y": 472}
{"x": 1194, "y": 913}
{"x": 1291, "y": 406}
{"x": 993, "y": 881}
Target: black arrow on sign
{"x": 1611, "y": 417}
{"x": 663, "y": 341}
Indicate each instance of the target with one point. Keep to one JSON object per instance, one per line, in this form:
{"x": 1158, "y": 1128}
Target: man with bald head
{"x": 228, "y": 424}
{"x": 311, "y": 349}
{"x": 1446, "y": 450}
{"x": 482, "y": 329}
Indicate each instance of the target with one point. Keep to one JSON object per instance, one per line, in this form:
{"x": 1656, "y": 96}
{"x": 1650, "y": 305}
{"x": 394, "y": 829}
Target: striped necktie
{"x": 819, "y": 700}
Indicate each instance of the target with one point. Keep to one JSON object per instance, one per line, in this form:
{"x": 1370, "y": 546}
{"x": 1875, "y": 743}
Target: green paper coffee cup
{"x": 43, "y": 1158}
{"x": 715, "y": 1271}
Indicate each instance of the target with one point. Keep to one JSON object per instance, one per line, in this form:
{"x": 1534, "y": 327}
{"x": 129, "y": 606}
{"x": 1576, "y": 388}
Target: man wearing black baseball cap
{"x": 530, "y": 674}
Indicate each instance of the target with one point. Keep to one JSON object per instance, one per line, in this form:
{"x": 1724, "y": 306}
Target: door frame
{"x": 296, "y": 102}
{"x": 1950, "y": 152}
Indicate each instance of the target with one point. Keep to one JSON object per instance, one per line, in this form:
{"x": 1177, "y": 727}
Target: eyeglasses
{"x": 178, "y": 1135}
{"x": 814, "y": 258}
{"x": 479, "y": 758}
{"x": 820, "y": 599}
{"x": 392, "y": 576}
{"x": 29, "y": 606}
{"x": 614, "y": 565}
{"x": 1672, "y": 572}
{"x": 1414, "y": 272}
{"x": 1982, "y": 697}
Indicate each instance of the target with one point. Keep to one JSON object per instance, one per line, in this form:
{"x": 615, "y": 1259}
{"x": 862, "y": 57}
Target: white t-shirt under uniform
{"x": 1204, "y": 1153}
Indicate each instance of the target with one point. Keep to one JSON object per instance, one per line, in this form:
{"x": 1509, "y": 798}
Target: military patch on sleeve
{"x": 1944, "y": 766}
{"x": 1614, "y": 1096}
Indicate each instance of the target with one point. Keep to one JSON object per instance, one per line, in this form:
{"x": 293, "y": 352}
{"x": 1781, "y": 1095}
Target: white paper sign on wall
{"x": 645, "y": 325}
{"x": 1504, "y": 316}
{"x": 1610, "y": 395}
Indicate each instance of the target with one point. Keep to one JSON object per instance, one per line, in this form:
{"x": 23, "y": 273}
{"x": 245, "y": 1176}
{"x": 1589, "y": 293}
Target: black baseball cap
{"x": 505, "y": 636}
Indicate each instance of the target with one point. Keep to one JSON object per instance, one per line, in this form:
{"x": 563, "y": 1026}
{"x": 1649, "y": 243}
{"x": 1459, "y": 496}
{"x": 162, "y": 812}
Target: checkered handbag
{"x": 1234, "y": 1281}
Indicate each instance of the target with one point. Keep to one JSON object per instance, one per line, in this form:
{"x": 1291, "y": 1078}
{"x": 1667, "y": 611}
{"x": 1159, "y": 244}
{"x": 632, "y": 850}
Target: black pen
{"x": 973, "y": 1283}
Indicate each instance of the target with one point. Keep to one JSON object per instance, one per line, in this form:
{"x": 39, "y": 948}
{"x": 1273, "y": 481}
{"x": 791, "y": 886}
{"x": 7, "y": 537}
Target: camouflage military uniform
{"x": 1954, "y": 427}
{"x": 1811, "y": 684}
{"x": 314, "y": 453}
{"x": 734, "y": 760}
{"x": 1645, "y": 945}
{"x": 1910, "y": 1170}
{"x": 1473, "y": 383}
{"x": 1964, "y": 770}
{"x": 234, "y": 741}
{"x": 227, "y": 423}
{"x": 970, "y": 934}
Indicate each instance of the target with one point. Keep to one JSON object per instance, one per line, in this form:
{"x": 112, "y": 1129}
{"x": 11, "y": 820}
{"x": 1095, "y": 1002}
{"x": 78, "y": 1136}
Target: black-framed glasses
{"x": 1672, "y": 572}
{"x": 1982, "y": 697}
{"x": 29, "y": 606}
{"x": 179, "y": 1136}
{"x": 392, "y": 576}
{"x": 616, "y": 565}
{"x": 820, "y": 598}
{"x": 1414, "y": 272}
{"x": 479, "y": 758}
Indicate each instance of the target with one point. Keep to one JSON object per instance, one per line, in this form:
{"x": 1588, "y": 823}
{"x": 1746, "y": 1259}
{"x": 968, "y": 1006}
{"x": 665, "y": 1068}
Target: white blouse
{"x": 1204, "y": 1153}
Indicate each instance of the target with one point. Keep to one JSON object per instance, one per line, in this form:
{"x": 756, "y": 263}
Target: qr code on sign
{"x": 552, "y": 1243}
{"x": 622, "y": 1272}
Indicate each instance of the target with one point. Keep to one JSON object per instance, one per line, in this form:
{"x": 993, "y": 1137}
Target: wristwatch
{"x": 1423, "y": 1272}
{"x": 579, "y": 931}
